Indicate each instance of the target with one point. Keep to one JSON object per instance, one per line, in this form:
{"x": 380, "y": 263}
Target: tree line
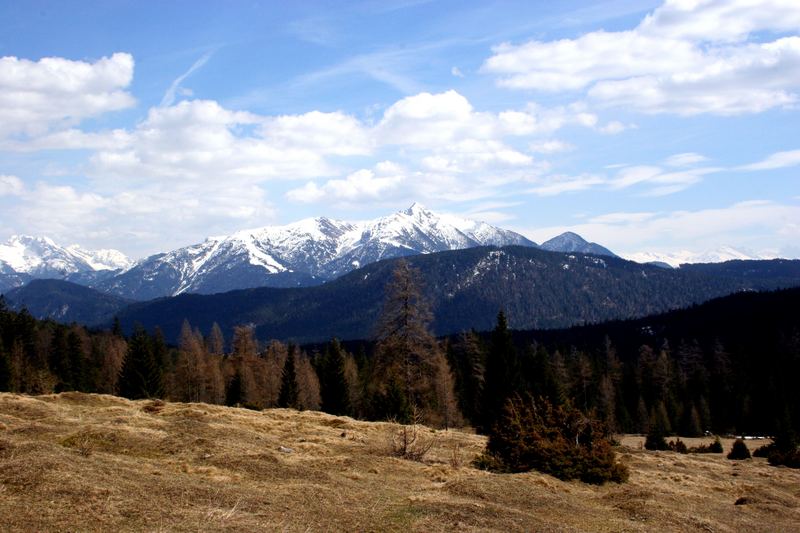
{"x": 682, "y": 385}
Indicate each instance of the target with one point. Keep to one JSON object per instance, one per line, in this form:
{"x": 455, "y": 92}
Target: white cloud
{"x": 202, "y": 141}
{"x": 614, "y": 127}
{"x": 11, "y": 186}
{"x": 37, "y": 97}
{"x": 687, "y": 57}
{"x": 685, "y": 159}
{"x": 455, "y": 71}
{"x": 362, "y": 185}
{"x": 328, "y": 133}
{"x": 434, "y": 120}
{"x": 777, "y": 160}
{"x": 666, "y": 182}
{"x": 551, "y": 146}
{"x": 751, "y": 224}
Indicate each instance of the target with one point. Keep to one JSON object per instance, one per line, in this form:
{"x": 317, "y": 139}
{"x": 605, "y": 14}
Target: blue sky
{"x": 645, "y": 126}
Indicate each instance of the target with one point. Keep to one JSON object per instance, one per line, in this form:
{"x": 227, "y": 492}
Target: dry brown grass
{"x": 77, "y": 462}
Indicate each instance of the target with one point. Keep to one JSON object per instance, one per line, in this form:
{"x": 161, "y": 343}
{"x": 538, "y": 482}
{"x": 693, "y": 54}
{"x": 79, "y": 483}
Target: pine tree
{"x": 333, "y": 381}
{"x": 502, "y": 375}
{"x": 5, "y": 368}
{"x": 288, "y": 395}
{"x": 58, "y": 359}
{"x": 141, "y": 375}
{"x": 233, "y": 394}
{"x": 466, "y": 358}
{"x": 77, "y": 361}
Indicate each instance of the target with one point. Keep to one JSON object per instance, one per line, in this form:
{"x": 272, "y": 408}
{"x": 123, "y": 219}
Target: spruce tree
{"x": 59, "y": 360}
{"x": 333, "y": 383}
{"x": 77, "y": 363}
{"x": 502, "y": 374}
{"x": 141, "y": 375}
{"x": 289, "y": 394}
{"x": 5, "y": 369}
{"x": 233, "y": 394}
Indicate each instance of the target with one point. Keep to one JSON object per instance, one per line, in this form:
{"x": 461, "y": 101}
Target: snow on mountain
{"x": 306, "y": 252}
{"x": 40, "y": 257}
{"x": 105, "y": 259}
{"x": 572, "y": 242}
{"x": 719, "y": 255}
{"x": 23, "y": 258}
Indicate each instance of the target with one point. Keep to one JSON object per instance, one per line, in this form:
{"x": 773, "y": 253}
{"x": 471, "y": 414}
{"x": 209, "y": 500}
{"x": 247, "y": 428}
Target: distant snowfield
{"x": 721, "y": 254}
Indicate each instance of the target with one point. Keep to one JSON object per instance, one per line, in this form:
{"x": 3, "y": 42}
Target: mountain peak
{"x": 416, "y": 209}
{"x": 572, "y": 242}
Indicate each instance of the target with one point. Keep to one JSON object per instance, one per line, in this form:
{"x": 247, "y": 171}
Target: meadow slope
{"x": 89, "y": 462}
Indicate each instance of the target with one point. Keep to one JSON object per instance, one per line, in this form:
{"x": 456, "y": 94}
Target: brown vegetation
{"x": 85, "y": 462}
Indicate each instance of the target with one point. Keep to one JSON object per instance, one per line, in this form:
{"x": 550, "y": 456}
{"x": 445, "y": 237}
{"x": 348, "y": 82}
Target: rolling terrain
{"x": 100, "y": 463}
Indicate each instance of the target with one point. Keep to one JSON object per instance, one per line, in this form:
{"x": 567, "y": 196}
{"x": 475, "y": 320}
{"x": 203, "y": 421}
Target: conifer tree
{"x": 5, "y": 369}
{"x": 233, "y": 394}
{"x": 406, "y": 350}
{"x": 77, "y": 362}
{"x": 466, "y": 358}
{"x": 59, "y": 359}
{"x": 141, "y": 375}
{"x": 288, "y": 395}
{"x": 333, "y": 381}
{"x": 502, "y": 374}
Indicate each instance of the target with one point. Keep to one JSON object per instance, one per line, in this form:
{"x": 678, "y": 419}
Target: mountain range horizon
{"x": 114, "y": 259}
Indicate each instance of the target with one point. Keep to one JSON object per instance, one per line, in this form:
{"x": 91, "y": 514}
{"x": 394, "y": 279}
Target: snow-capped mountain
{"x": 23, "y": 257}
{"x": 105, "y": 259}
{"x": 572, "y": 242}
{"x": 719, "y": 255}
{"x": 307, "y": 252}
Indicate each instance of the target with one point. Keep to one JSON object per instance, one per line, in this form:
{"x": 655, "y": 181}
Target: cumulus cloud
{"x": 37, "y": 97}
{"x": 687, "y": 57}
{"x": 362, "y": 185}
{"x": 202, "y": 141}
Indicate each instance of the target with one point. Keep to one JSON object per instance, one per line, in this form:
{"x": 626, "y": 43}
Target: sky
{"x": 645, "y": 126}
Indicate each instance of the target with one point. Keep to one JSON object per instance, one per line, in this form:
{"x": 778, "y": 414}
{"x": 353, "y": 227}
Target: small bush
{"x": 739, "y": 451}
{"x": 714, "y": 447}
{"x": 678, "y": 446}
{"x": 790, "y": 458}
{"x": 407, "y": 441}
{"x": 562, "y": 442}
{"x": 765, "y": 450}
{"x": 656, "y": 441}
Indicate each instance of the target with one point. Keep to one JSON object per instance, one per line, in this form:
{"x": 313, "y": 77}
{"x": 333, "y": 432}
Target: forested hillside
{"x": 466, "y": 288}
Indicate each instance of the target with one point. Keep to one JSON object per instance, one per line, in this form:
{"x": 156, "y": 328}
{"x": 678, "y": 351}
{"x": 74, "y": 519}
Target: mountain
{"x": 537, "y": 289}
{"x": 572, "y": 242}
{"x": 23, "y": 258}
{"x": 64, "y": 301}
{"x": 676, "y": 259}
{"x": 305, "y": 253}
